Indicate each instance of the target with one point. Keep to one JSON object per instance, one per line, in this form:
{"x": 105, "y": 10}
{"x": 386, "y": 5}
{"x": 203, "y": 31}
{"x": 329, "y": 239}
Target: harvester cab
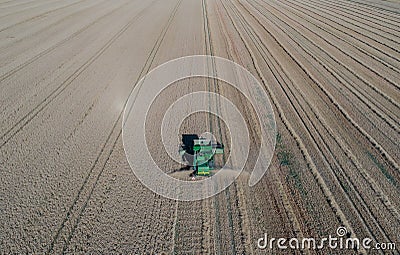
{"x": 199, "y": 153}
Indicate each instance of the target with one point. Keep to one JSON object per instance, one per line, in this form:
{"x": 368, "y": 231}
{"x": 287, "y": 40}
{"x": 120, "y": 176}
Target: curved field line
{"x": 45, "y": 2}
{"x": 52, "y": 24}
{"x": 289, "y": 209}
{"x": 341, "y": 144}
{"x": 286, "y": 204}
{"x": 326, "y": 161}
{"x": 299, "y": 9}
{"x": 337, "y": 61}
{"x": 99, "y": 155}
{"x": 350, "y": 20}
{"x": 357, "y": 47}
{"x": 16, "y": 4}
{"x": 371, "y": 139}
{"x": 363, "y": 16}
{"x": 319, "y": 117}
{"x": 7, "y": 98}
{"x": 308, "y": 7}
{"x": 234, "y": 188}
{"x": 321, "y": 183}
{"x": 388, "y": 119}
{"x": 146, "y": 68}
{"x": 245, "y": 222}
{"x": 345, "y": 114}
{"x": 266, "y": 54}
{"x": 36, "y": 110}
{"x": 376, "y": 8}
{"x": 86, "y": 181}
{"x": 210, "y": 51}
{"x": 40, "y": 15}
{"x": 45, "y": 52}
{"x": 393, "y": 125}
{"x": 375, "y": 13}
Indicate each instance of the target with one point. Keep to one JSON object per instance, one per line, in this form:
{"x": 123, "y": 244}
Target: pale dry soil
{"x": 331, "y": 70}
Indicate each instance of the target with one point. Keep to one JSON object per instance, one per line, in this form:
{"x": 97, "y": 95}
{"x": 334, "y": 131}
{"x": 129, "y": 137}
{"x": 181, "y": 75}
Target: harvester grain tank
{"x": 199, "y": 152}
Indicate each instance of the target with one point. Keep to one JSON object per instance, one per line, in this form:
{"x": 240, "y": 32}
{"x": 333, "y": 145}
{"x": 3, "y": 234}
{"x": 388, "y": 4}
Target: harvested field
{"x": 331, "y": 70}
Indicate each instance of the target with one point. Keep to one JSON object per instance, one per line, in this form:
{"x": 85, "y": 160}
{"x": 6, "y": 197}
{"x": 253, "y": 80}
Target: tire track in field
{"x": 339, "y": 142}
{"x": 374, "y": 13}
{"x": 102, "y": 151}
{"x": 326, "y": 162}
{"x": 175, "y": 233}
{"x": 44, "y": 2}
{"x": 395, "y": 103}
{"x": 376, "y": 145}
{"x": 382, "y": 61}
{"x": 290, "y": 212}
{"x": 331, "y": 19}
{"x": 243, "y": 216}
{"x": 10, "y": 96}
{"x": 49, "y": 25}
{"x": 208, "y": 48}
{"x": 342, "y": 80}
{"x": 315, "y": 81}
{"x": 16, "y": 4}
{"x": 336, "y": 28}
{"x": 209, "y": 51}
{"x": 231, "y": 222}
{"x": 376, "y": 7}
{"x": 321, "y": 183}
{"x": 243, "y": 220}
{"x": 10, "y": 133}
{"x": 351, "y": 20}
{"x": 6, "y": 2}
{"x": 45, "y": 52}
{"x": 289, "y": 209}
{"x": 188, "y": 232}
{"x": 296, "y": 230}
{"x": 40, "y": 15}
{"x": 145, "y": 70}
{"x": 363, "y": 17}
{"x": 346, "y": 150}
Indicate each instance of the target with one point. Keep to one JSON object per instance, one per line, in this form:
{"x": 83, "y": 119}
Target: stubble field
{"x": 330, "y": 68}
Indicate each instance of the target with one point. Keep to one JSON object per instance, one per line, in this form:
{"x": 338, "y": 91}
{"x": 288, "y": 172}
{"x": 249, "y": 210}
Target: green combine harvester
{"x": 199, "y": 152}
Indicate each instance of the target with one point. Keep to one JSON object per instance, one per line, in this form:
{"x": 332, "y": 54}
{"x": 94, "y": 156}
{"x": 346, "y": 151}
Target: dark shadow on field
{"x": 188, "y": 142}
